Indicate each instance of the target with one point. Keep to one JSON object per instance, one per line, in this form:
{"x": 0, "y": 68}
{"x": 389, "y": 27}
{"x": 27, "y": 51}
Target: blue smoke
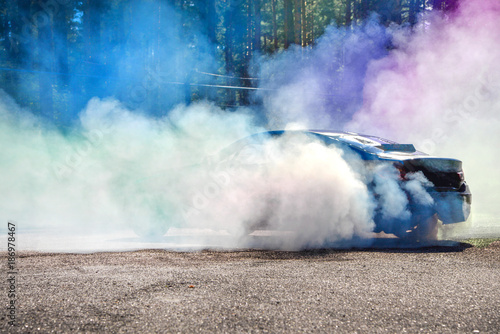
{"x": 147, "y": 64}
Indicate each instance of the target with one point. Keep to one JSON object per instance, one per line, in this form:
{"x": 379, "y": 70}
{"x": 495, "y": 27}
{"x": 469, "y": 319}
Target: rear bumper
{"x": 453, "y": 206}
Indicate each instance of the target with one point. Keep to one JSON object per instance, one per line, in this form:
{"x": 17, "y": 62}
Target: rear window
{"x": 397, "y": 148}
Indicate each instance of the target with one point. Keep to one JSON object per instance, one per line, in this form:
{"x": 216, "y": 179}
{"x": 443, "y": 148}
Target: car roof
{"x": 368, "y": 143}
{"x": 365, "y": 139}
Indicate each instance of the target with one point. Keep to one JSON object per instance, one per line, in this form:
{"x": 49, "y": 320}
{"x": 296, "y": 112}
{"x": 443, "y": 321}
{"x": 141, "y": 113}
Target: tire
{"x": 426, "y": 229}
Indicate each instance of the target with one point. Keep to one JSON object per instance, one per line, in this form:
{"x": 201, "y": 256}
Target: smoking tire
{"x": 426, "y": 229}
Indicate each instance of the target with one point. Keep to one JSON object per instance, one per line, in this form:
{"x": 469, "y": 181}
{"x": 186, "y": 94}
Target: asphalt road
{"x": 449, "y": 288}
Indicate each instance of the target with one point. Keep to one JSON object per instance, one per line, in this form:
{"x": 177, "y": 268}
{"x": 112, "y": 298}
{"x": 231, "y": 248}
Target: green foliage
{"x": 43, "y": 46}
{"x": 481, "y": 242}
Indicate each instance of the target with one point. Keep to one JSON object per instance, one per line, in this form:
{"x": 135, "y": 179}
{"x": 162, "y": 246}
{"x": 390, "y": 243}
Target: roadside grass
{"x": 481, "y": 242}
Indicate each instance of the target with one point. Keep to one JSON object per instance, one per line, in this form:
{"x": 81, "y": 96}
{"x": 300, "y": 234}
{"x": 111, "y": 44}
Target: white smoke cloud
{"x": 72, "y": 180}
{"x": 438, "y": 88}
{"x": 393, "y": 200}
{"x": 305, "y": 188}
{"x": 120, "y": 169}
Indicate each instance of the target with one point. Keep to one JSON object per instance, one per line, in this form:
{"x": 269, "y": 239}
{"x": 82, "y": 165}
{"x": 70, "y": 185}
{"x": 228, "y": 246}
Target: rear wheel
{"x": 425, "y": 229}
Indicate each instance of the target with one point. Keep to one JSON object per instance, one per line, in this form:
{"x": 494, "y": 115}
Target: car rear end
{"x": 450, "y": 192}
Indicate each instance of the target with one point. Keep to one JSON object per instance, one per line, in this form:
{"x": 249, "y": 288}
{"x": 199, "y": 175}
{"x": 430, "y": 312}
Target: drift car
{"x": 444, "y": 178}
{"x": 443, "y": 181}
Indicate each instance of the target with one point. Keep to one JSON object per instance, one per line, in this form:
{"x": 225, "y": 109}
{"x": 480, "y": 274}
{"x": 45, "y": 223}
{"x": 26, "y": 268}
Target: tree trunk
{"x": 303, "y": 19}
{"x": 412, "y": 12}
{"x": 437, "y": 4}
{"x": 257, "y": 23}
{"x": 298, "y": 22}
{"x": 311, "y": 19}
{"x": 396, "y": 15}
{"x": 275, "y": 26}
{"x": 363, "y": 13}
{"x": 211, "y": 19}
{"x": 228, "y": 49}
{"x": 348, "y": 12}
{"x": 243, "y": 73}
{"x": 445, "y": 5}
{"x": 288, "y": 23}
{"x": 249, "y": 33}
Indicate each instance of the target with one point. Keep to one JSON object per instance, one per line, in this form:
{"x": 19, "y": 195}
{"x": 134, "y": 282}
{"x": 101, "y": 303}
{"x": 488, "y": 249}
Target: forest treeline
{"x": 56, "y": 54}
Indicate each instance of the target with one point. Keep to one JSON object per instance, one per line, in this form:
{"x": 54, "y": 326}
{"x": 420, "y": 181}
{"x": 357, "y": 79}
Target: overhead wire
{"x": 162, "y": 82}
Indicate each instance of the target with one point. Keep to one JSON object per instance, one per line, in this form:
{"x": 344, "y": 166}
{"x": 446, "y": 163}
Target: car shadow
{"x": 428, "y": 246}
{"x": 223, "y": 243}
{"x": 389, "y": 245}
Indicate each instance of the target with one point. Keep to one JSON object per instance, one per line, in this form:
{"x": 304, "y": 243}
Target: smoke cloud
{"x": 121, "y": 169}
{"x": 439, "y": 89}
{"x": 436, "y": 86}
{"x": 322, "y": 87}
